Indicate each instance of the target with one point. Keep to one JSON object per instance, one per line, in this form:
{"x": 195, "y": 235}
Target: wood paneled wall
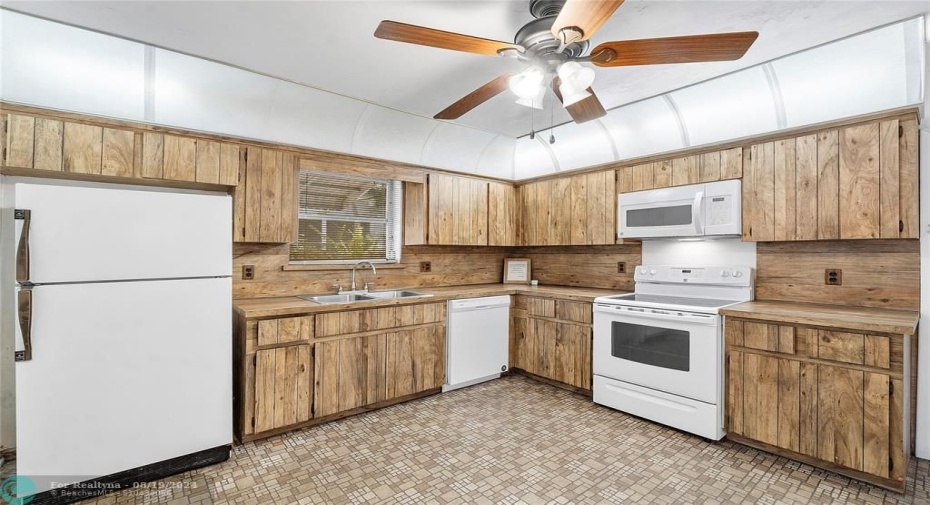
{"x": 583, "y": 266}
{"x": 450, "y": 265}
{"x": 592, "y": 266}
{"x": 876, "y": 273}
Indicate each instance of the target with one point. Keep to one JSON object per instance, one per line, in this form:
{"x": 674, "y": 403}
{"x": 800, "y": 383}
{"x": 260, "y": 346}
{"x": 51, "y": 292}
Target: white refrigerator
{"x": 121, "y": 298}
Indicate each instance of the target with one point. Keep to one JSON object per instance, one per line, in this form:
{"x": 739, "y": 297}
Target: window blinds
{"x": 344, "y": 219}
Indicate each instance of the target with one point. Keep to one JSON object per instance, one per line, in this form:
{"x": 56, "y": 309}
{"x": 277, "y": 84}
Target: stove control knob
{"x": 737, "y": 273}
{"x": 642, "y": 271}
{"x": 652, "y": 272}
{"x": 724, "y": 274}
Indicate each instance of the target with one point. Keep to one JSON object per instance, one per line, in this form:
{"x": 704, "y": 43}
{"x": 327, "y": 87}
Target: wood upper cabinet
{"x": 552, "y": 339}
{"x": 265, "y": 201}
{"x": 692, "y": 169}
{"x": 576, "y": 210}
{"x": 855, "y": 182}
{"x": 89, "y": 149}
{"x": 457, "y": 210}
{"x": 830, "y": 397}
{"x": 502, "y": 214}
{"x": 451, "y": 210}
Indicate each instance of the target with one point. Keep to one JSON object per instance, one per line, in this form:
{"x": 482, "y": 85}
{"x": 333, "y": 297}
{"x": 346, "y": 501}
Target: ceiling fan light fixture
{"x": 571, "y": 95}
{"x": 575, "y": 75}
{"x": 535, "y": 101}
{"x": 527, "y": 84}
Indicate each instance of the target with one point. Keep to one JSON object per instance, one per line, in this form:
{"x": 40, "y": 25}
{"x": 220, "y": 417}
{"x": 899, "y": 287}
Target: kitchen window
{"x": 346, "y": 219}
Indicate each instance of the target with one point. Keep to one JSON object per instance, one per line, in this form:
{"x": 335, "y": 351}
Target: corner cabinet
{"x": 451, "y": 210}
{"x": 265, "y": 204}
{"x": 830, "y": 397}
{"x": 302, "y": 370}
{"x": 576, "y": 210}
{"x": 854, "y": 182}
{"x": 552, "y": 339}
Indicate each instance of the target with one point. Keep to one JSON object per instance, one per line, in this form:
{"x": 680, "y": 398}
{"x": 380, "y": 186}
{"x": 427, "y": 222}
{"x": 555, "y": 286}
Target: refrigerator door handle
{"x": 25, "y": 323}
{"x": 22, "y": 251}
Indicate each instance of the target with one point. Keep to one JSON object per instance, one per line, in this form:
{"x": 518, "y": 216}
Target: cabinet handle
{"x": 900, "y": 226}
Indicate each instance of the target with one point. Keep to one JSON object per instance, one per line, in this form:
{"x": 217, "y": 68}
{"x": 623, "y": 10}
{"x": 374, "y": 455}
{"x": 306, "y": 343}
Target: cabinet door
{"x": 601, "y": 209}
{"x": 416, "y": 361}
{"x": 349, "y": 374}
{"x": 571, "y": 356}
{"x": 266, "y": 198}
{"x": 458, "y": 210}
{"x": 501, "y": 214}
{"x": 544, "y": 334}
{"x": 773, "y": 400}
{"x": 522, "y": 345}
{"x": 283, "y": 387}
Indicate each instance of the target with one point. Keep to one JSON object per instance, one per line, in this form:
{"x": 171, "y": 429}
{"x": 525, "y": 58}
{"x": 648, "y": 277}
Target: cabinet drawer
{"x": 762, "y": 336}
{"x": 857, "y": 348}
{"x": 579, "y": 312}
{"x": 541, "y": 307}
{"x": 285, "y": 330}
{"x": 359, "y": 321}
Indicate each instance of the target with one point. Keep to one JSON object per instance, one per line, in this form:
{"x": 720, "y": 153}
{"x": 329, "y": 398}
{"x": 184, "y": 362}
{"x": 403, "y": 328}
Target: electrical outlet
{"x": 621, "y": 267}
{"x": 833, "y": 277}
{"x": 248, "y": 272}
{"x": 426, "y": 266}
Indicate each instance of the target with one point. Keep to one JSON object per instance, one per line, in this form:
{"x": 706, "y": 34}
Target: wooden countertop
{"x": 292, "y": 305}
{"x": 902, "y": 322}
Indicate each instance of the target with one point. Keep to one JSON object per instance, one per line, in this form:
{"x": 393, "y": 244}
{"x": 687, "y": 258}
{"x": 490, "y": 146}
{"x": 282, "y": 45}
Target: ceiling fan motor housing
{"x": 536, "y": 37}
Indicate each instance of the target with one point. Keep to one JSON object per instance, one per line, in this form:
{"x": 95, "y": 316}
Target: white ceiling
{"x": 329, "y": 44}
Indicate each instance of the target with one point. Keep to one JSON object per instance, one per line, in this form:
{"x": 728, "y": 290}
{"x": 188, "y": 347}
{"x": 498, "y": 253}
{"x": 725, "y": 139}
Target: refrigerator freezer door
{"x": 123, "y": 374}
{"x": 83, "y": 234}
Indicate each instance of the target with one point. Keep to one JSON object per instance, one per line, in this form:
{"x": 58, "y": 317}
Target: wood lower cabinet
{"x": 300, "y": 370}
{"x": 552, "y": 339}
{"x": 830, "y": 397}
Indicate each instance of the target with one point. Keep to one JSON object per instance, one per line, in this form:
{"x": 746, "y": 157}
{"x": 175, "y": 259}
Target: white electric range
{"x": 658, "y": 352}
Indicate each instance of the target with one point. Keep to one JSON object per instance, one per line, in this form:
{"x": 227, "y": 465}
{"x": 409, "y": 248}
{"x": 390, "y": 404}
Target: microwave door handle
{"x": 697, "y": 212}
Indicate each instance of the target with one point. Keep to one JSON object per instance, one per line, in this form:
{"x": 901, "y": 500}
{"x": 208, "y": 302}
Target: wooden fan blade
{"x": 412, "y": 34}
{"x": 585, "y": 16}
{"x": 691, "y": 49}
{"x": 583, "y": 111}
{"x": 475, "y": 98}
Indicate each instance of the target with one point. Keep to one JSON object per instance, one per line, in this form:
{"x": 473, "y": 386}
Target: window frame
{"x": 393, "y": 220}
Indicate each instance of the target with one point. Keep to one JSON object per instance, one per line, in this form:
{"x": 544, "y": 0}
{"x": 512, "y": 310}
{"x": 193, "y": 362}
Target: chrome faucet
{"x": 355, "y": 268}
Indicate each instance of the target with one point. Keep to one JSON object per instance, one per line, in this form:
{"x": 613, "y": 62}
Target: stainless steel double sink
{"x": 362, "y": 297}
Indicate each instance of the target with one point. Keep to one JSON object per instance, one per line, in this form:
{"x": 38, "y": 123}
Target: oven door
{"x": 671, "y": 351}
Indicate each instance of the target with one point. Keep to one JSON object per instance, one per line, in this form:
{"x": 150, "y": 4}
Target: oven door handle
{"x": 702, "y": 319}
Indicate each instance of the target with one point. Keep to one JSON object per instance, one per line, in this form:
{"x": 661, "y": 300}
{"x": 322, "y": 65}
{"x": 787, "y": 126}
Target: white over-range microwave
{"x": 697, "y": 210}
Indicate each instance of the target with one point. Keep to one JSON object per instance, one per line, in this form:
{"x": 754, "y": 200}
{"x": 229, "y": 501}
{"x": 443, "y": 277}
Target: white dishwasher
{"x": 477, "y": 340}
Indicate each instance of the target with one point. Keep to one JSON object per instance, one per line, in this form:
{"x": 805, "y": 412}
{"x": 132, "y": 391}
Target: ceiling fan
{"x": 555, "y": 43}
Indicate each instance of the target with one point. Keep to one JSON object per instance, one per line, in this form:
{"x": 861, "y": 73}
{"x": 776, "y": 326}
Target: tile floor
{"x": 509, "y": 441}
